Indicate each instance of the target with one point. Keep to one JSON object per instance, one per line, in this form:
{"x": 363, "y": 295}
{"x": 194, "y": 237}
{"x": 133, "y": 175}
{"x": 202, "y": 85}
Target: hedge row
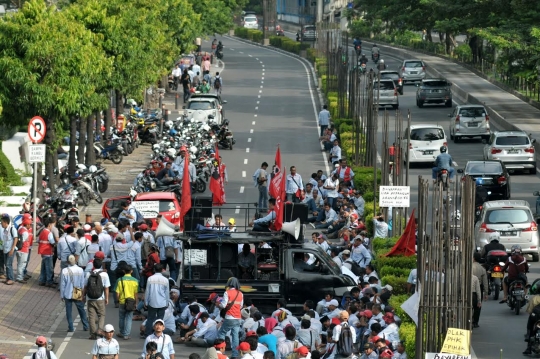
{"x": 249, "y": 34}
{"x": 288, "y": 44}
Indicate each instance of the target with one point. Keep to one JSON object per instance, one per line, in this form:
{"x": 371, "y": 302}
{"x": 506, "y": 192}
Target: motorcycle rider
{"x": 443, "y": 161}
{"x": 517, "y": 267}
{"x": 381, "y": 65}
{"x": 363, "y": 59}
{"x": 533, "y": 308}
{"x": 357, "y": 44}
{"x": 493, "y": 245}
{"x": 375, "y": 51}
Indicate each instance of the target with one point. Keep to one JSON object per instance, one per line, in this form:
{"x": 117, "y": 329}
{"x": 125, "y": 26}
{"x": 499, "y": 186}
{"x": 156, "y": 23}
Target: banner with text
{"x": 394, "y": 196}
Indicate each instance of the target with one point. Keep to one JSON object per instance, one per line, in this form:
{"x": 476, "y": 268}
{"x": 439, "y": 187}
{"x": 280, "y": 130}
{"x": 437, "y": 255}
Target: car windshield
{"x": 202, "y": 105}
{"x": 427, "y": 134}
{"x": 440, "y": 83}
{"x": 512, "y": 140}
{"x": 385, "y": 85}
{"x": 309, "y": 28}
{"x": 472, "y": 112}
{"x": 250, "y": 18}
{"x": 414, "y": 64}
{"x": 482, "y": 168}
{"x": 508, "y": 215}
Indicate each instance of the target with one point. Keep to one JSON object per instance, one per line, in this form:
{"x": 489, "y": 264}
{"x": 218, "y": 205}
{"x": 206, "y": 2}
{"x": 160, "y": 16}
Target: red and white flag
{"x": 185, "y": 201}
{"x": 280, "y": 201}
{"x": 217, "y": 185}
{"x": 277, "y": 177}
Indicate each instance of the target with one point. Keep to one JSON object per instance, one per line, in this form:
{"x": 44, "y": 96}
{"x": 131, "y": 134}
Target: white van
{"x": 426, "y": 141}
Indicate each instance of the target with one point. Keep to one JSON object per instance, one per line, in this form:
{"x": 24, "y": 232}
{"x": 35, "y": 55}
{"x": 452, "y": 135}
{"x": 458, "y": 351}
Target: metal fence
{"x": 444, "y": 267}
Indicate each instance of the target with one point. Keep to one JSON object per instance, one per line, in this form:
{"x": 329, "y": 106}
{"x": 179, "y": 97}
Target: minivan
{"x": 426, "y": 141}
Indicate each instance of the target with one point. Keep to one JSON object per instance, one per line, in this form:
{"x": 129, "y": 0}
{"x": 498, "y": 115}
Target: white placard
{"x": 196, "y": 257}
{"x": 149, "y": 209}
{"x": 394, "y": 196}
{"x": 37, "y": 153}
{"x": 446, "y": 356}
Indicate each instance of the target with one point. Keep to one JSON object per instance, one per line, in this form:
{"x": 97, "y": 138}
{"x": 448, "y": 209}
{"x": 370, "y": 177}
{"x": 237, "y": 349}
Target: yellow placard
{"x": 457, "y": 341}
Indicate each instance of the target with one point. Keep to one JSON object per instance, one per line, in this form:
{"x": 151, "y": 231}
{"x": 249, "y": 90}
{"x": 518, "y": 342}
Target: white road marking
{"x": 257, "y": 58}
{"x": 259, "y": 96}
{"x": 262, "y": 65}
{"x": 255, "y": 115}
{"x": 249, "y": 139}
{"x": 231, "y": 49}
{"x": 247, "y": 151}
{"x": 250, "y": 56}
{"x": 261, "y": 62}
{"x": 245, "y": 161}
{"x": 242, "y": 189}
{"x": 251, "y": 131}
{"x": 262, "y": 82}
{"x": 243, "y": 173}
{"x": 256, "y": 107}
{"x": 258, "y": 102}
{"x": 454, "y": 163}
{"x": 260, "y": 91}
{"x": 261, "y": 86}
{"x": 253, "y": 123}
{"x": 241, "y": 52}
{"x": 237, "y": 210}
{"x": 262, "y": 78}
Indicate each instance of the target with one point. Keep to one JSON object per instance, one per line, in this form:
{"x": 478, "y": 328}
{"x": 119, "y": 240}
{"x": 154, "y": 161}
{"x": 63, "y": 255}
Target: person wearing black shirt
{"x": 166, "y": 175}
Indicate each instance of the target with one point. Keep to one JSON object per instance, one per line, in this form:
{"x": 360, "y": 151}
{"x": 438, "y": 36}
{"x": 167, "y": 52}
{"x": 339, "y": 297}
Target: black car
{"x": 436, "y": 90}
{"x": 492, "y": 175}
{"x": 394, "y": 75}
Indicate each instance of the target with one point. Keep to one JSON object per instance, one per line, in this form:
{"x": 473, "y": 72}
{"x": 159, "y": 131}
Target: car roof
{"x": 309, "y": 26}
{"x": 506, "y": 203}
{"x": 148, "y": 196}
{"x": 472, "y": 163}
{"x": 202, "y": 99}
{"x": 511, "y": 133}
{"x": 205, "y": 95}
{"x": 413, "y": 127}
{"x": 470, "y": 106}
{"x": 411, "y": 60}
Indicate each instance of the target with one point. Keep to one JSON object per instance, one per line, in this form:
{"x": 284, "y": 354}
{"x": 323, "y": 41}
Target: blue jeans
{"x": 153, "y": 314}
{"x": 434, "y": 171}
{"x": 46, "y": 274}
{"x": 27, "y": 261}
{"x": 234, "y": 326}
{"x": 331, "y": 201}
{"x": 263, "y": 198}
{"x": 323, "y": 225}
{"x": 22, "y": 261}
{"x": 312, "y": 207}
{"x": 318, "y": 218}
{"x": 69, "y": 313}
{"x": 124, "y": 321}
{"x": 8, "y": 261}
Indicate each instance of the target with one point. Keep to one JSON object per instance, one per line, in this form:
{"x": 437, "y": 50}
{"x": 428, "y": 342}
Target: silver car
{"x": 251, "y": 22}
{"x": 412, "y": 70}
{"x": 514, "y": 148}
{"x": 515, "y": 223}
{"x": 387, "y": 94}
{"x": 468, "y": 121}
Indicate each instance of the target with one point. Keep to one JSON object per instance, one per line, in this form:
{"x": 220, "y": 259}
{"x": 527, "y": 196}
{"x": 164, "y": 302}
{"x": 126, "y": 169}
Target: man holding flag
{"x": 217, "y": 181}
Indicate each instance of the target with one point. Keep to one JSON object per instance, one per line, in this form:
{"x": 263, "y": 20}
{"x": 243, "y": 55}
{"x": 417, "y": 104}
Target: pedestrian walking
{"x": 324, "y": 119}
{"x": 480, "y": 273}
{"x": 186, "y": 84}
{"x": 46, "y": 249}
{"x": 106, "y": 347}
{"x": 294, "y": 186}
{"x": 42, "y": 351}
{"x": 156, "y": 296}
{"x": 71, "y": 292}
{"x": 233, "y": 300}
{"x": 163, "y": 341}
{"x": 260, "y": 179}
{"x": 67, "y": 245}
{"x": 126, "y": 291}
{"x": 9, "y": 239}
{"x": 176, "y": 73}
{"x": 217, "y": 82}
{"x": 25, "y": 235}
{"x": 96, "y": 290}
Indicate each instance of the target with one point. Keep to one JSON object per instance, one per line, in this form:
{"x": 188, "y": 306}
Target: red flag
{"x": 185, "y": 201}
{"x": 275, "y": 182}
{"x": 217, "y": 187}
{"x": 280, "y": 200}
{"x": 407, "y": 242}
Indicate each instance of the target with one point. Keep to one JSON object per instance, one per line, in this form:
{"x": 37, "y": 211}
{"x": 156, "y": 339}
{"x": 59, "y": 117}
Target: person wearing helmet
{"x": 517, "y": 267}
{"x": 381, "y": 65}
{"x": 443, "y": 161}
{"x": 375, "y": 52}
{"x": 533, "y": 308}
{"x": 493, "y": 245}
{"x": 363, "y": 59}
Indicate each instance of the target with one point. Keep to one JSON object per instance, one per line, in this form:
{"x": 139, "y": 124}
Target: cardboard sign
{"x": 457, "y": 341}
{"x": 395, "y": 196}
{"x": 446, "y": 356}
{"x": 149, "y": 209}
{"x": 195, "y": 257}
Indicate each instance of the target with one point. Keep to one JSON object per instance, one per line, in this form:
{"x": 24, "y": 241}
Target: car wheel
{"x": 395, "y": 107}
{"x": 456, "y": 139}
{"x": 533, "y": 171}
{"x": 535, "y": 257}
{"x": 420, "y": 103}
{"x": 448, "y": 103}
{"x": 451, "y": 134}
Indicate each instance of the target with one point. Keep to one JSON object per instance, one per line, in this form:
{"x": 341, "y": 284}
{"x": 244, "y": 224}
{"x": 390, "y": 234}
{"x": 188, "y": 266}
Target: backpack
{"x": 293, "y": 355}
{"x": 94, "y": 287}
{"x": 355, "y": 268}
{"x": 16, "y": 235}
{"x": 217, "y": 83}
{"x": 48, "y": 352}
{"x": 138, "y": 216}
{"x": 145, "y": 248}
{"x": 345, "y": 342}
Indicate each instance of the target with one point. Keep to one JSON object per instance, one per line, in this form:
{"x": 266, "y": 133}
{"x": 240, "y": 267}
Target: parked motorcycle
{"x": 113, "y": 151}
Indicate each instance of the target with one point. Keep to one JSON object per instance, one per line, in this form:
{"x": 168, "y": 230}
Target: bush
{"x": 363, "y": 178}
{"x": 398, "y": 272}
{"x": 407, "y": 334}
{"x": 396, "y": 261}
{"x": 395, "y": 302}
{"x": 399, "y": 284}
{"x": 7, "y": 172}
{"x": 384, "y": 243}
{"x": 369, "y": 196}
{"x": 311, "y": 54}
{"x": 249, "y": 34}
{"x": 463, "y": 52}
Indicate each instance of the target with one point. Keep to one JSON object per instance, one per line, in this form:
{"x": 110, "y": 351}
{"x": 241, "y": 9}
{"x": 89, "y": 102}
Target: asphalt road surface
{"x": 271, "y": 101}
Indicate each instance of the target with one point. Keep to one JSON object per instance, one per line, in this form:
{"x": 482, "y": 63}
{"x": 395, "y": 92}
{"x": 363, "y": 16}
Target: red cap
{"x": 143, "y": 227}
{"x": 41, "y": 340}
{"x": 211, "y": 297}
{"x": 303, "y": 350}
{"x": 244, "y": 347}
{"x": 220, "y": 345}
{"x": 335, "y": 321}
{"x": 374, "y": 339}
{"x": 99, "y": 255}
{"x": 66, "y": 226}
{"x": 251, "y": 333}
{"x": 366, "y": 313}
{"x": 26, "y": 221}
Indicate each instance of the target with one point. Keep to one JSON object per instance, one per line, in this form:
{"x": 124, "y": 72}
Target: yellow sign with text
{"x": 457, "y": 341}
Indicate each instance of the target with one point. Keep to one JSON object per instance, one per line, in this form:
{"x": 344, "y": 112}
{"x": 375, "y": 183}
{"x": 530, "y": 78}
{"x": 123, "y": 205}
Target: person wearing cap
{"x": 96, "y": 306}
{"x": 42, "y": 351}
{"x": 156, "y": 296}
{"x": 369, "y": 352}
{"x": 68, "y": 245}
{"x": 46, "y": 244}
{"x": 233, "y": 300}
{"x": 84, "y": 243}
{"x": 163, "y": 341}
{"x": 333, "y": 309}
{"x": 360, "y": 254}
{"x": 178, "y": 166}
{"x": 245, "y": 350}
{"x": 391, "y": 332}
{"x": 214, "y": 310}
{"x": 232, "y": 225}
{"x": 25, "y": 235}
{"x": 107, "y": 346}
{"x": 72, "y": 277}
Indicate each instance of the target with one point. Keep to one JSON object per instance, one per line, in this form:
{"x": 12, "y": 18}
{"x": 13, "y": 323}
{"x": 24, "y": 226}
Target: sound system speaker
{"x": 197, "y": 273}
{"x": 224, "y": 273}
{"x": 201, "y": 207}
{"x": 292, "y": 211}
{"x": 190, "y": 224}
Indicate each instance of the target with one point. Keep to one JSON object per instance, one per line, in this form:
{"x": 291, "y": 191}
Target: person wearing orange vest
{"x": 46, "y": 249}
{"x": 25, "y": 235}
{"x": 232, "y": 302}
{"x": 345, "y": 173}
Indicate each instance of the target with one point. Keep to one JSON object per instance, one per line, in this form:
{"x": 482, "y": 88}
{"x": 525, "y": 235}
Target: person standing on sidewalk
{"x": 25, "y": 235}
{"x": 126, "y": 287}
{"x": 106, "y": 347}
{"x": 45, "y": 249}
{"x": 42, "y": 351}
{"x": 293, "y": 186}
{"x": 156, "y": 296}
{"x": 186, "y": 84}
{"x": 97, "y": 297}
{"x": 260, "y": 179}
{"x": 67, "y": 245}
{"x": 324, "y": 119}
{"x": 10, "y": 239}
{"x": 70, "y": 278}
{"x": 233, "y": 300}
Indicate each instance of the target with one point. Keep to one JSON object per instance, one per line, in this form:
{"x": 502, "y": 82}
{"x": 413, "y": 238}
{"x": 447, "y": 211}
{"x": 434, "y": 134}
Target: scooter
{"x": 494, "y": 264}
{"x": 442, "y": 176}
{"x": 113, "y": 152}
{"x": 516, "y": 295}
{"x": 219, "y": 52}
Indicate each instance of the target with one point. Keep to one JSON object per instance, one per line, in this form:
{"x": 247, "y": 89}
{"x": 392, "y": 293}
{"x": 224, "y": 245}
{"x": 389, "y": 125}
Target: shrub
{"x": 384, "y": 243}
{"x": 7, "y": 172}
{"x": 463, "y": 52}
{"x": 407, "y": 334}
{"x": 311, "y": 54}
{"x": 396, "y": 261}
{"x": 395, "y": 302}
{"x": 363, "y": 178}
{"x": 398, "y": 272}
{"x": 399, "y": 284}
{"x": 369, "y": 196}
{"x": 255, "y": 35}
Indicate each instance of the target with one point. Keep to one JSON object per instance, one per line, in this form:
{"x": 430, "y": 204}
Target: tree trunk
{"x": 72, "y": 143}
{"x": 429, "y": 38}
{"x": 51, "y": 159}
{"x": 119, "y": 103}
{"x": 108, "y": 124}
{"x": 82, "y": 140}
{"x": 90, "y": 155}
{"x": 98, "y": 133}
{"x": 165, "y": 83}
{"x": 473, "y": 44}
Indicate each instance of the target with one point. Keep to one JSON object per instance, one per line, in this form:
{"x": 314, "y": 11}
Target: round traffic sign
{"x": 37, "y": 129}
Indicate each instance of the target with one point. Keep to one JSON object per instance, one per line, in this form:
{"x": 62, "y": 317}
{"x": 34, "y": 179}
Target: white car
{"x": 386, "y": 93}
{"x": 468, "y": 121}
{"x": 412, "y": 70}
{"x": 426, "y": 141}
{"x": 251, "y": 22}
{"x": 203, "y": 109}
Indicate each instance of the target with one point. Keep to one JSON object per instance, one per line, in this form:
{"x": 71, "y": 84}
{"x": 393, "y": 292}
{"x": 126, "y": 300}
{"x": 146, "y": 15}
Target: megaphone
{"x": 166, "y": 228}
{"x": 292, "y": 228}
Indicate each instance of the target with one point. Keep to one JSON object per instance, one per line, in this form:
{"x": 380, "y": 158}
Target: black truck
{"x": 279, "y": 272}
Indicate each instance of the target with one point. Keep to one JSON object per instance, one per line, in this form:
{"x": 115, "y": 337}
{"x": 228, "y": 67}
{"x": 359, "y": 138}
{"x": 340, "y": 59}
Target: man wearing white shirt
{"x": 335, "y": 153}
{"x": 360, "y": 253}
{"x": 325, "y": 218}
{"x": 293, "y": 184}
{"x": 178, "y": 166}
{"x": 321, "y": 242}
{"x": 84, "y": 243}
{"x": 205, "y": 334}
{"x": 331, "y": 185}
{"x": 176, "y": 73}
{"x": 320, "y": 188}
